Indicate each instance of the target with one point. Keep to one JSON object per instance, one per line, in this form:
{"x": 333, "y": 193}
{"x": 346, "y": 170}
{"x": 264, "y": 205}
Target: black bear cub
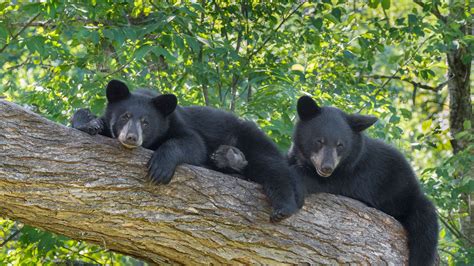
{"x": 192, "y": 135}
{"x": 331, "y": 154}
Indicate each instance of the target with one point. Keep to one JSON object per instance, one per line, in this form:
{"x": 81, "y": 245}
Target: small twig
{"x": 249, "y": 90}
{"x": 19, "y": 65}
{"x": 386, "y": 16}
{"x": 111, "y": 258}
{"x": 448, "y": 252}
{"x": 122, "y": 66}
{"x": 224, "y": 29}
{"x": 10, "y": 237}
{"x": 453, "y": 228}
{"x": 415, "y": 89}
{"x": 249, "y": 86}
{"x": 205, "y": 92}
{"x": 83, "y": 255}
{"x": 235, "y": 77}
{"x": 450, "y": 221}
{"x": 219, "y": 85}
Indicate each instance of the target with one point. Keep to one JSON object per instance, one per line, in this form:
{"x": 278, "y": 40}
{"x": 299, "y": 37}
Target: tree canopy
{"x": 406, "y": 62}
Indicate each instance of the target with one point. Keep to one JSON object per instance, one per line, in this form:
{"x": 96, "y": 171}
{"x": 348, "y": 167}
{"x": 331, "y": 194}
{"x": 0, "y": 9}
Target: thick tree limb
{"x": 92, "y": 189}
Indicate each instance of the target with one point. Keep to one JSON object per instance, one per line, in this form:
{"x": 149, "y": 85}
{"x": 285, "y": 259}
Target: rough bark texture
{"x": 460, "y": 110}
{"x": 460, "y": 105}
{"x": 92, "y": 189}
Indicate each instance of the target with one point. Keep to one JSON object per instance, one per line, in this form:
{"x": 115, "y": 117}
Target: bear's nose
{"x": 327, "y": 169}
{"x": 132, "y": 138}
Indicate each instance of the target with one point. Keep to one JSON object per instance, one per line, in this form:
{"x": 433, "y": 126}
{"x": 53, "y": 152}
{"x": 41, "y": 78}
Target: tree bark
{"x": 459, "y": 90}
{"x": 460, "y": 105}
{"x": 90, "y": 188}
{"x": 460, "y": 110}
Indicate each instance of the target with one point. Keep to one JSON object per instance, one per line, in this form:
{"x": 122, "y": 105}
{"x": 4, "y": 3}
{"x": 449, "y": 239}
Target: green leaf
{"x": 412, "y": 20}
{"x": 467, "y": 186}
{"x": 426, "y": 124}
{"x": 317, "y": 23}
{"x": 466, "y": 124}
{"x": 36, "y": 44}
{"x": 317, "y": 42}
{"x": 161, "y": 51}
{"x": 374, "y": 3}
{"x": 198, "y": 7}
{"x": 385, "y": 4}
{"x": 297, "y": 67}
{"x": 394, "y": 119}
{"x": 406, "y": 113}
{"x": 32, "y": 9}
{"x": 94, "y": 35}
{"x": 193, "y": 43}
{"x": 142, "y": 51}
{"x": 336, "y": 12}
{"x": 109, "y": 34}
{"x": 3, "y": 33}
{"x": 461, "y": 134}
{"x": 363, "y": 42}
{"x": 203, "y": 41}
{"x": 349, "y": 55}
{"x": 179, "y": 42}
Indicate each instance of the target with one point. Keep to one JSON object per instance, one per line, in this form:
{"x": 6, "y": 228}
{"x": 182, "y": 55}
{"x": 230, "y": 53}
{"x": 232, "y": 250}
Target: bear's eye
{"x": 318, "y": 143}
{"x": 144, "y": 123}
{"x": 126, "y": 116}
{"x": 340, "y": 146}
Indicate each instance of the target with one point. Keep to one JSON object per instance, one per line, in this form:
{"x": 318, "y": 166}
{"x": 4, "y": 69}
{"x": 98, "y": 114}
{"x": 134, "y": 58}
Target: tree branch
{"x": 414, "y": 83}
{"x": 433, "y": 9}
{"x": 92, "y": 189}
{"x": 19, "y": 32}
{"x": 10, "y": 237}
{"x": 205, "y": 91}
{"x": 269, "y": 37}
{"x": 235, "y": 76}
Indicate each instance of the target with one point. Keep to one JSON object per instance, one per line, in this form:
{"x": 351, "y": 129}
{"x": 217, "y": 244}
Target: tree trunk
{"x": 90, "y": 188}
{"x": 460, "y": 110}
{"x": 460, "y": 106}
{"x": 459, "y": 90}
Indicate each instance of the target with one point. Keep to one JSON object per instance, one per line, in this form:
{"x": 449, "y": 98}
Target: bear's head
{"x": 326, "y": 136}
{"x": 137, "y": 119}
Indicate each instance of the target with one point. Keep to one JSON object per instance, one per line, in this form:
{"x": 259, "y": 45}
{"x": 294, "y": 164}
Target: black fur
{"x": 368, "y": 170}
{"x": 191, "y": 134}
{"x": 84, "y": 120}
{"x": 229, "y": 159}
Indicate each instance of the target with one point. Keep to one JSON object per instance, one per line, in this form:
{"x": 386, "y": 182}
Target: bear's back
{"x": 146, "y": 93}
{"x": 216, "y": 126}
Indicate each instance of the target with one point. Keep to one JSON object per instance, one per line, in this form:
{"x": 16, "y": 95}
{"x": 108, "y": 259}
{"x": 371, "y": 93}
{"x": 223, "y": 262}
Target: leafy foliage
{"x": 253, "y": 58}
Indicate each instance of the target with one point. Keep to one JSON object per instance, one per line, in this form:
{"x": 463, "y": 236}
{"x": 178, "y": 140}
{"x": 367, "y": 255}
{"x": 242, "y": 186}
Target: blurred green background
{"x": 255, "y": 58}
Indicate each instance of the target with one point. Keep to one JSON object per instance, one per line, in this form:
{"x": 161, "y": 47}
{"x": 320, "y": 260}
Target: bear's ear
{"x": 307, "y": 108}
{"x": 116, "y": 91}
{"x": 165, "y": 103}
{"x": 360, "y": 123}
